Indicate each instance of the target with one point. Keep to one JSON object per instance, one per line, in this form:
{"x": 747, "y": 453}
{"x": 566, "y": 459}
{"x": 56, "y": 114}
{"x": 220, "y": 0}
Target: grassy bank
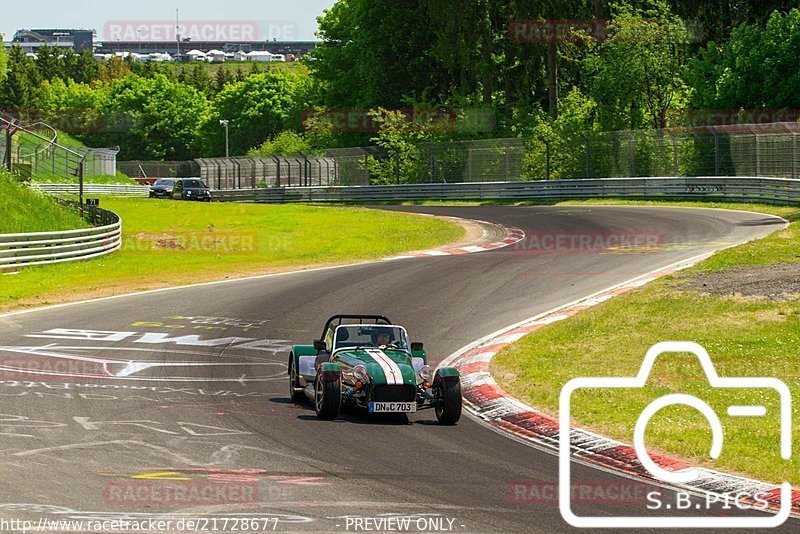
{"x": 175, "y": 243}
{"x": 745, "y": 336}
{"x": 24, "y": 210}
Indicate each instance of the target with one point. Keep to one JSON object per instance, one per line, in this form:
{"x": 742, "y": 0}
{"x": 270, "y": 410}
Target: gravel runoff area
{"x": 778, "y": 282}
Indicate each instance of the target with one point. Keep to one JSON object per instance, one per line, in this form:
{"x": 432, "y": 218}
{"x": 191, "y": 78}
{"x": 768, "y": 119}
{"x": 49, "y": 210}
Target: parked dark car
{"x": 191, "y": 189}
{"x": 162, "y": 188}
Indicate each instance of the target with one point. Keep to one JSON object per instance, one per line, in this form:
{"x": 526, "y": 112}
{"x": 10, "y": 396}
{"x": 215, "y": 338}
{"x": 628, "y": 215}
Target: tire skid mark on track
{"x": 486, "y": 400}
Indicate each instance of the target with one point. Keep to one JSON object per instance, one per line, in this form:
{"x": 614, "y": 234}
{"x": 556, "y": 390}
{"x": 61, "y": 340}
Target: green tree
{"x": 257, "y": 109}
{"x": 200, "y": 80}
{"x": 222, "y": 78}
{"x": 18, "y": 90}
{"x": 286, "y": 143}
{"x": 86, "y": 69}
{"x": 374, "y": 53}
{"x": 636, "y": 75}
{"x": 755, "y": 69}
{"x": 563, "y": 136}
{"x": 390, "y": 54}
{"x": 717, "y": 18}
{"x": 48, "y": 62}
{"x": 114, "y": 69}
{"x": 3, "y": 63}
{"x": 163, "y": 117}
{"x": 400, "y": 139}
{"x": 73, "y": 107}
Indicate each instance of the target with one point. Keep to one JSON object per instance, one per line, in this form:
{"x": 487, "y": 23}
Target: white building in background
{"x": 196, "y": 55}
{"x": 259, "y": 55}
{"x": 264, "y": 55}
{"x": 239, "y": 56}
{"x": 215, "y": 56}
{"x": 158, "y": 57}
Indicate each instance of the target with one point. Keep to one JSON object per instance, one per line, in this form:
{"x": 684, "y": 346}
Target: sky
{"x": 265, "y": 19}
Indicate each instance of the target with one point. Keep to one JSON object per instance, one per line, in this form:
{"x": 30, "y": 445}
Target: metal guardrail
{"x": 45, "y": 248}
{"x": 745, "y": 189}
{"x": 94, "y": 189}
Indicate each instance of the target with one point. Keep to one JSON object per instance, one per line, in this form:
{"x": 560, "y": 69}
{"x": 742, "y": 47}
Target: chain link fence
{"x": 35, "y": 152}
{"x": 769, "y": 149}
{"x": 345, "y": 166}
{"x": 149, "y": 170}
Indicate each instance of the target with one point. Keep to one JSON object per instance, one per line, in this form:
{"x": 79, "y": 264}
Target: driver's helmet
{"x": 382, "y": 334}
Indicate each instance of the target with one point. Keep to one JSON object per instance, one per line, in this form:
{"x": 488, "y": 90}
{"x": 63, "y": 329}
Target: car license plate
{"x": 392, "y": 407}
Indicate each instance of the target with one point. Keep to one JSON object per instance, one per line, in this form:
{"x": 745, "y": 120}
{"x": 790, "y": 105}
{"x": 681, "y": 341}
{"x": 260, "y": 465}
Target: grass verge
{"x": 744, "y": 337}
{"x": 176, "y": 243}
{"x": 25, "y": 210}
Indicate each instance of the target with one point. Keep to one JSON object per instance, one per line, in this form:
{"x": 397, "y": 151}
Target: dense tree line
{"x": 537, "y": 68}
{"x": 3, "y": 63}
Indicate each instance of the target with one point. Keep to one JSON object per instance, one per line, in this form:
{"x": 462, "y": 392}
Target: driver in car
{"x": 382, "y": 339}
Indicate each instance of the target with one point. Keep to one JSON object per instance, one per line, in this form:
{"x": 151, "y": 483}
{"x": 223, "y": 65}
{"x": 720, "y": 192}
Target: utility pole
{"x": 224, "y": 124}
{"x": 178, "y": 31}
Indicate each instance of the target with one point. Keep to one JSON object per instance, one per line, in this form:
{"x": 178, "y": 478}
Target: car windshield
{"x": 163, "y": 182}
{"x": 194, "y": 183}
{"x": 370, "y": 336}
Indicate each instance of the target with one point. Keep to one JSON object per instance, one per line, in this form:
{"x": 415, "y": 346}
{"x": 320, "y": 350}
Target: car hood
{"x": 384, "y": 366}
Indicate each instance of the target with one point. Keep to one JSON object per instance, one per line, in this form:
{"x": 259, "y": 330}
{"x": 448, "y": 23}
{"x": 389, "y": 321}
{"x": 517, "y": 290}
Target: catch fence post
{"x": 588, "y": 156}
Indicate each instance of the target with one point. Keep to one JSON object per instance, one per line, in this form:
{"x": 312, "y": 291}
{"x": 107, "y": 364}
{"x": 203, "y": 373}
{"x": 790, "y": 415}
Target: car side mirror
{"x": 416, "y": 345}
{"x": 320, "y": 345}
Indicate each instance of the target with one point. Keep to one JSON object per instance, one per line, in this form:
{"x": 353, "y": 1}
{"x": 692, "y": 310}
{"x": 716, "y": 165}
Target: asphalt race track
{"x": 212, "y": 406}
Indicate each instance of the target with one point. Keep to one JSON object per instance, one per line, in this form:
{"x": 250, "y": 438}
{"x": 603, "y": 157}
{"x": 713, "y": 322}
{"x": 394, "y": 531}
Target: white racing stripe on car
{"x": 390, "y": 369}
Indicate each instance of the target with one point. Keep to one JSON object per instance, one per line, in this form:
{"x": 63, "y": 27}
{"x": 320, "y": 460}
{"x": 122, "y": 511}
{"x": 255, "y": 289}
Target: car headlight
{"x": 188, "y": 193}
{"x": 426, "y": 373}
{"x": 360, "y": 372}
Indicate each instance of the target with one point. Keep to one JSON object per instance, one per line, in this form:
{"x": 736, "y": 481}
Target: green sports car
{"x": 366, "y": 362}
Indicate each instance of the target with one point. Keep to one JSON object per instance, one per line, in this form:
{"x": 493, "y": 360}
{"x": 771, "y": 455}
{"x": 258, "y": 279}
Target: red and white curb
{"x": 487, "y": 401}
{"x": 512, "y": 236}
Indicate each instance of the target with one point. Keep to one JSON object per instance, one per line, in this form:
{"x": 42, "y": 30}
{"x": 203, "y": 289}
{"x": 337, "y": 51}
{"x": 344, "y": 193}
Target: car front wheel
{"x": 448, "y": 407}
{"x": 327, "y": 394}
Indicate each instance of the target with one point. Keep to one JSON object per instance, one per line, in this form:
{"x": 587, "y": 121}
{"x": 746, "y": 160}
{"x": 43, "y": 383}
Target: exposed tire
{"x": 448, "y": 409}
{"x": 327, "y": 395}
{"x": 295, "y": 391}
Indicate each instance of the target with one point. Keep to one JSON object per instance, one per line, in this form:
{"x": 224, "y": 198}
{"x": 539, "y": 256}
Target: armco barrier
{"x": 43, "y": 248}
{"x": 94, "y": 189}
{"x": 744, "y": 189}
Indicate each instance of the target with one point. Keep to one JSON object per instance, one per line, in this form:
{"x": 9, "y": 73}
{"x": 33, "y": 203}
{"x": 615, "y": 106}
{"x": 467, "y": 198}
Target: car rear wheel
{"x": 327, "y": 394}
{"x": 448, "y": 409}
{"x": 295, "y": 391}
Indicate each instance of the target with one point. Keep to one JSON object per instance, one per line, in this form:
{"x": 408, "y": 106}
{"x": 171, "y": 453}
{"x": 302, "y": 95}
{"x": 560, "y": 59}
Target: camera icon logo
{"x": 682, "y": 477}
